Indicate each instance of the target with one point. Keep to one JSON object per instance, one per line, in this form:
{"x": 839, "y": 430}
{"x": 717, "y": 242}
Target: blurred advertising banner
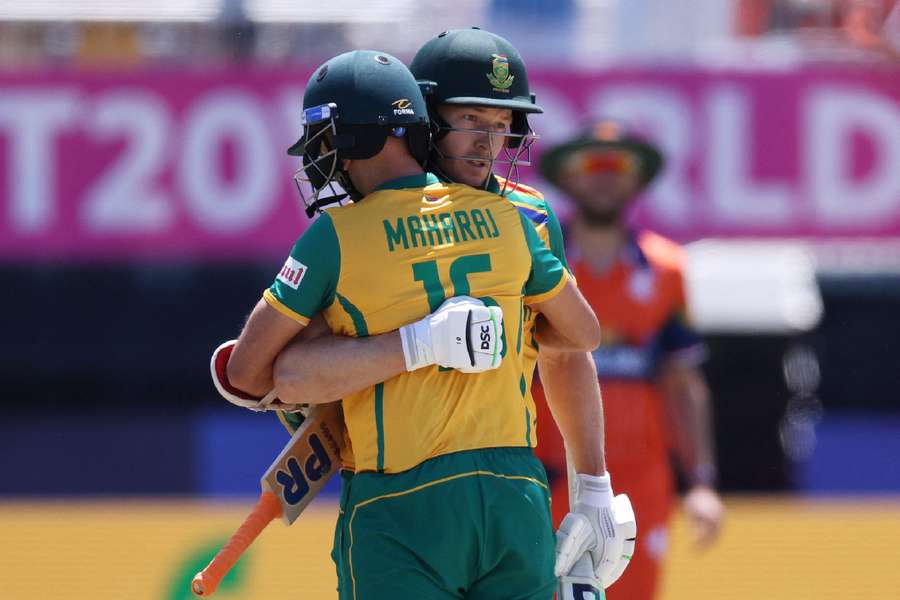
{"x": 168, "y": 164}
{"x": 174, "y": 164}
{"x": 145, "y": 549}
{"x": 142, "y": 549}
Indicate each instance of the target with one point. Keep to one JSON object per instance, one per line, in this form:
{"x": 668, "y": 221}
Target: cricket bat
{"x": 304, "y": 466}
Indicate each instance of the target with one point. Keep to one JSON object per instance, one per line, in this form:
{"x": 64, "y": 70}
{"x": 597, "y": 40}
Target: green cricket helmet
{"x": 352, "y": 104}
{"x": 477, "y": 68}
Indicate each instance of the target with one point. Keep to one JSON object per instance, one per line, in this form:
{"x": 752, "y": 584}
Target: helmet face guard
{"x": 472, "y": 67}
{"x": 326, "y": 144}
{"x": 515, "y": 150}
{"x": 319, "y": 170}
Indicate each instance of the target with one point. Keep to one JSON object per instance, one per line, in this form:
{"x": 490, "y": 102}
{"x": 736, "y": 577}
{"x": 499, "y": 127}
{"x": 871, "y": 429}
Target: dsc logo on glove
{"x": 485, "y": 337}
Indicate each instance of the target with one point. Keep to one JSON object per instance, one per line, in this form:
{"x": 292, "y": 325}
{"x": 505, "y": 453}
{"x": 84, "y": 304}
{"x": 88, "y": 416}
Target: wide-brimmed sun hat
{"x": 603, "y": 137}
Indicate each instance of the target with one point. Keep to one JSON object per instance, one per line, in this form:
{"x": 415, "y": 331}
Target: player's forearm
{"x": 550, "y": 337}
{"x": 688, "y": 393}
{"x": 567, "y": 322}
{"x": 264, "y": 335}
{"x": 700, "y": 416}
{"x": 330, "y": 367}
{"x": 573, "y": 395}
{"x": 255, "y": 380}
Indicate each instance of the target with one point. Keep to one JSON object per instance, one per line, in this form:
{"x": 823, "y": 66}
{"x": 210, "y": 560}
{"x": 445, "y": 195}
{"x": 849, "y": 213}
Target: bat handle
{"x": 266, "y": 510}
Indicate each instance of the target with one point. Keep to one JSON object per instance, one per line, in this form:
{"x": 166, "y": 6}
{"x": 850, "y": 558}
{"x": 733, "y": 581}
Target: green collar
{"x": 410, "y": 181}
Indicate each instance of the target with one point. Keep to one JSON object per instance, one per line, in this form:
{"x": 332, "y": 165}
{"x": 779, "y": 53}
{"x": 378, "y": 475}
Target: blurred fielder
{"x": 648, "y": 363}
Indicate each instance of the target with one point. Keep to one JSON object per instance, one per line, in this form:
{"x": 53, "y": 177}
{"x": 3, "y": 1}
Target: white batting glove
{"x": 461, "y": 334}
{"x": 581, "y": 583}
{"x": 599, "y": 524}
{"x": 218, "y": 368}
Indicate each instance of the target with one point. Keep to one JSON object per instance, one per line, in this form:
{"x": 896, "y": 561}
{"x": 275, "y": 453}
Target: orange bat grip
{"x": 266, "y": 510}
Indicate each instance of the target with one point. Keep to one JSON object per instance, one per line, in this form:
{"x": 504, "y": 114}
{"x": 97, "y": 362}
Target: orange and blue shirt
{"x": 641, "y": 305}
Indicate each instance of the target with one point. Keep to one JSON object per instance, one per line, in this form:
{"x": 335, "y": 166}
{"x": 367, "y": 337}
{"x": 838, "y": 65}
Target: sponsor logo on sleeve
{"x": 292, "y": 272}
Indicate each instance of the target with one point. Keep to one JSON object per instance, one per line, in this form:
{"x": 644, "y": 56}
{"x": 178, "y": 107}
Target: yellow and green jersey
{"x": 393, "y": 258}
{"x": 532, "y": 205}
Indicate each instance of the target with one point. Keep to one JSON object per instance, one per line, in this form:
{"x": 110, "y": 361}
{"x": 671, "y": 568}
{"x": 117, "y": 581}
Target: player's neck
{"x": 393, "y": 162}
{"x": 599, "y": 245}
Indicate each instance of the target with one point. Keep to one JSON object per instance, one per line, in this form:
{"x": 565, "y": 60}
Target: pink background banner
{"x": 178, "y": 164}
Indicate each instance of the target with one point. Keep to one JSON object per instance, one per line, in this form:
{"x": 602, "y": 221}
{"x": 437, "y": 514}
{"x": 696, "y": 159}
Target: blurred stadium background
{"x": 147, "y": 201}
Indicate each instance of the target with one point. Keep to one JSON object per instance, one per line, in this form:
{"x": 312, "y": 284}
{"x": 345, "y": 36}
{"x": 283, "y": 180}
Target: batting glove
{"x": 581, "y": 583}
{"x": 218, "y": 367}
{"x": 600, "y": 525}
{"x": 461, "y": 334}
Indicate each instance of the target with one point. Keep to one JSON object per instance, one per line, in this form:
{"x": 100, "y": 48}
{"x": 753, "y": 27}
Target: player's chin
{"x": 474, "y": 172}
{"x": 467, "y": 172}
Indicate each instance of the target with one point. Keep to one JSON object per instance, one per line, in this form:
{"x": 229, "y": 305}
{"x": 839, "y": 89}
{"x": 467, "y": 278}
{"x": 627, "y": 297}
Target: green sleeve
{"x": 547, "y": 272}
{"x": 554, "y": 232}
{"x": 307, "y": 282}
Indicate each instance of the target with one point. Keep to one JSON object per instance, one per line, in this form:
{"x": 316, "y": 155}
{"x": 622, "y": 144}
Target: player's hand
{"x": 705, "y": 511}
{"x": 462, "y": 334}
{"x": 580, "y": 582}
{"x": 218, "y": 367}
{"x": 599, "y": 524}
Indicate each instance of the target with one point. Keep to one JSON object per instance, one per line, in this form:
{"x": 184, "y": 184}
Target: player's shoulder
{"x": 387, "y": 200}
{"x": 460, "y": 192}
{"x": 521, "y": 192}
{"x": 661, "y": 252}
{"x": 323, "y": 224}
{"x": 331, "y": 219}
{"x": 528, "y": 200}
{"x": 431, "y": 188}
